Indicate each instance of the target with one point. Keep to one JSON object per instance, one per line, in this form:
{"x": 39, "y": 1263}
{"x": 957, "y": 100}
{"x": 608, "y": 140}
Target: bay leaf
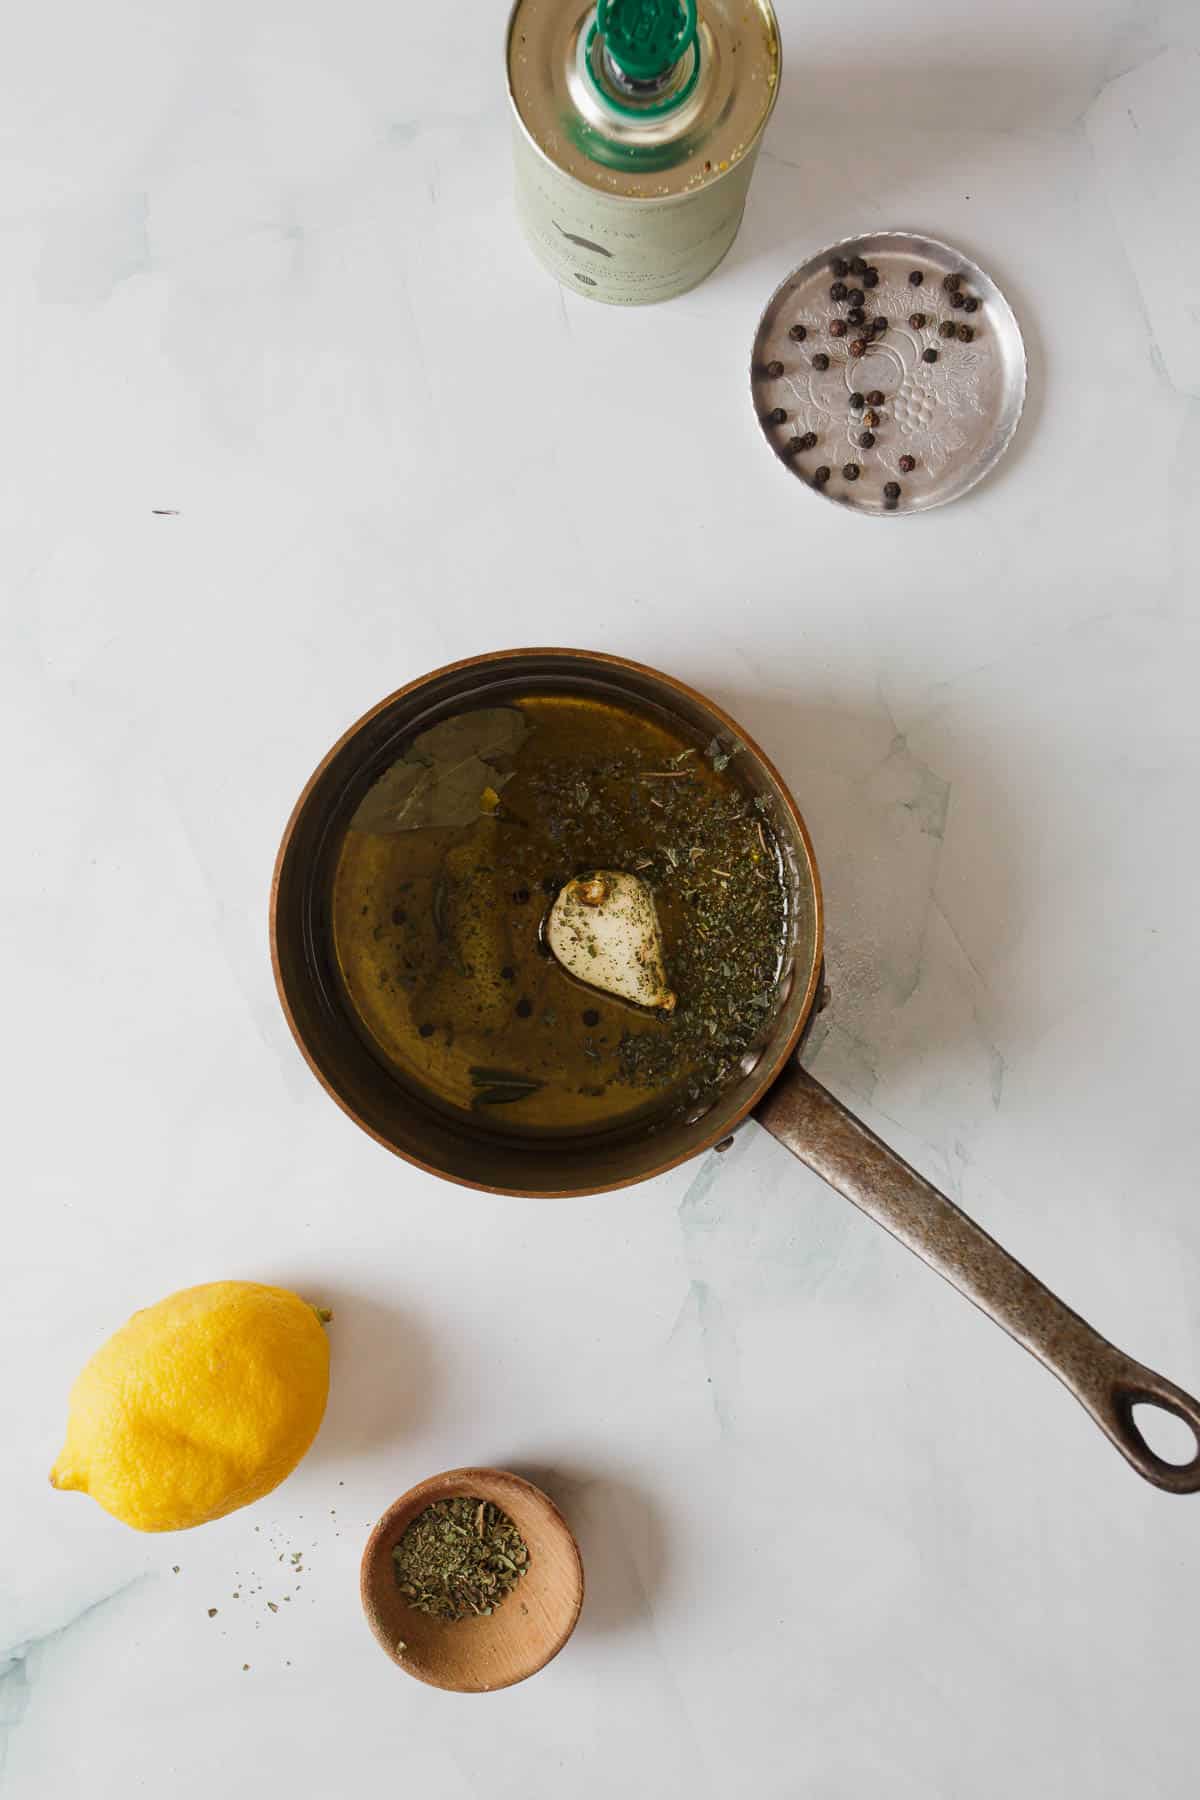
{"x": 493, "y": 731}
{"x": 443, "y": 776}
{"x": 386, "y": 805}
{"x": 455, "y": 794}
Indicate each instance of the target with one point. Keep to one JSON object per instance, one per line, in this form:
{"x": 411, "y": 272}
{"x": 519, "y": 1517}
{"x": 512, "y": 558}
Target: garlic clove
{"x": 603, "y": 929}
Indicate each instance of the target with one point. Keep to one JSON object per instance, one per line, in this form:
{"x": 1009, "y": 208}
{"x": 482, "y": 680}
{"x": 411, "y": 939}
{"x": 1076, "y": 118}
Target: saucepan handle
{"x": 830, "y": 1140}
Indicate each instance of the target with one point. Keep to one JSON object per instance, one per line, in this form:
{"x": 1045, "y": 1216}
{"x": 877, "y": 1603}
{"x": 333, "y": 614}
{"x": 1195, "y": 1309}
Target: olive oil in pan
{"x": 445, "y": 877}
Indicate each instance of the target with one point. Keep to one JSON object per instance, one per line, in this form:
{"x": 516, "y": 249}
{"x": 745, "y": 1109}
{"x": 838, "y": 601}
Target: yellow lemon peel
{"x": 198, "y": 1405}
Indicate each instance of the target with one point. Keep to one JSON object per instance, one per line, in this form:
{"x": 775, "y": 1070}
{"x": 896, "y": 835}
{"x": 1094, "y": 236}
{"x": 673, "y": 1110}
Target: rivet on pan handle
{"x": 831, "y": 1141}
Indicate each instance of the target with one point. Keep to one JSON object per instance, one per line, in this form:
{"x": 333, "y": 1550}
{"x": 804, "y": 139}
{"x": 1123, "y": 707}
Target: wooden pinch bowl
{"x": 528, "y": 1628}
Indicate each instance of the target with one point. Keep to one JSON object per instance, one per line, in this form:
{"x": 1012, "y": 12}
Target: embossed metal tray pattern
{"x": 955, "y": 416}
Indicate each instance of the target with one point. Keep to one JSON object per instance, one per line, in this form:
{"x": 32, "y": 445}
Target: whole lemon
{"x": 197, "y": 1406}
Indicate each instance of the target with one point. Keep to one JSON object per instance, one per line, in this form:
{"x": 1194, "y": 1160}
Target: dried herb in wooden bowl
{"x": 459, "y": 1559}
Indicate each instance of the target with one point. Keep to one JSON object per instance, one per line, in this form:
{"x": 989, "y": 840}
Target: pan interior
{"x": 317, "y": 942}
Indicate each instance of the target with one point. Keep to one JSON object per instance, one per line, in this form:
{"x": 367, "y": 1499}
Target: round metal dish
{"x": 955, "y": 416}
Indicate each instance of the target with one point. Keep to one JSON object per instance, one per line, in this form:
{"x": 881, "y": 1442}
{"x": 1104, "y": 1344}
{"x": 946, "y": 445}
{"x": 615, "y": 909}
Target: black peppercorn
{"x": 508, "y": 973}
{"x": 837, "y": 327}
{"x": 915, "y": 278}
{"x": 947, "y": 328}
{"x": 855, "y": 297}
{"x": 821, "y": 475}
{"x": 591, "y": 1016}
{"x": 855, "y": 316}
{"x": 850, "y": 471}
{"x": 958, "y": 299}
{"x": 820, "y": 360}
{"x": 917, "y": 321}
{"x": 807, "y": 441}
{"x": 870, "y": 418}
{"x": 879, "y": 325}
{"x": 971, "y": 303}
{"x": 775, "y": 370}
{"x": 870, "y": 278}
{"x": 792, "y": 447}
{"x": 890, "y": 505}
{"x": 858, "y": 265}
{"x": 840, "y": 266}
{"x": 907, "y": 464}
{"x": 875, "y": 397}
{"x": 838, "y": 291}
{"x": 798, "y": 333}
{"x": 776, "y": 416}
{"x": 929, "y": 355}
{"x": 965, "y": 334}
{"x": 951, "y": 283}
{"x": 859, "y": 347}
{"x": 425, "y": 1030}
{"x": 857, "y": 403}
{"x": 866, "y": 439}
{"x": 524, "y": 1008}
{"x": 891, "y": 490}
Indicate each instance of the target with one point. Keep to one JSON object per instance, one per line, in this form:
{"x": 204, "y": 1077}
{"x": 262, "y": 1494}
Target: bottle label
{"x": 626, "y": 252}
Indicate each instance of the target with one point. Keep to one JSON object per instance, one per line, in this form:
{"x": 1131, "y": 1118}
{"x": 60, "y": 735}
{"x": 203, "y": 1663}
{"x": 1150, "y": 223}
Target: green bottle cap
{"x": 646, "y": 37}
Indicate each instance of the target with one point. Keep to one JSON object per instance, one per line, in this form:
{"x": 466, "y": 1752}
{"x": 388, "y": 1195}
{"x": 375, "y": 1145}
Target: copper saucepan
{"x": 770, "y": 1084}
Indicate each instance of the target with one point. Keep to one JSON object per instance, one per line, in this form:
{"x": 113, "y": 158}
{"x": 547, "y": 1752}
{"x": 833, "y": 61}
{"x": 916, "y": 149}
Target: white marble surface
{"x": 843, "y": 1539}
